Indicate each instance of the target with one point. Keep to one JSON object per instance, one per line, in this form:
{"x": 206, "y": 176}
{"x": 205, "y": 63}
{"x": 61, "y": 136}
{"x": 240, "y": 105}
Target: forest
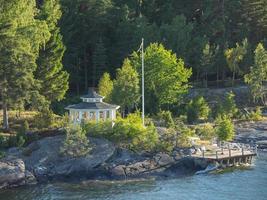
{"x": 52, "y": 51}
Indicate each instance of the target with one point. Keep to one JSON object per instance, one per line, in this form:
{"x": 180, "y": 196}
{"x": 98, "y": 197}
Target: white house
{"x": 93, "y": 108}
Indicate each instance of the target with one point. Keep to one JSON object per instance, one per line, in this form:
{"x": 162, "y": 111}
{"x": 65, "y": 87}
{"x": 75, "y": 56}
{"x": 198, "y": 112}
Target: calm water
{"x": 239, "y": 184}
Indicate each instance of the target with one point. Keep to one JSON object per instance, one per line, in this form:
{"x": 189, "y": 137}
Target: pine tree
{"x": 255, "y": 12}
{"x": 105, "y": 87}
{"x": 21, "y": 36}
{"x": 50, "y": 72}
{"x": 234, "y": 56}
{"x": 99, "y": 61}
{"x": 126, "y": 87}
{"x": 258, "y": 75}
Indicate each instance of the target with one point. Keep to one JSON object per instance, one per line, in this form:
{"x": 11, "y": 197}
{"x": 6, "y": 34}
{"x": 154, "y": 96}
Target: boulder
{"x": 13, "y": 173}
{"x": 45, "y": 160}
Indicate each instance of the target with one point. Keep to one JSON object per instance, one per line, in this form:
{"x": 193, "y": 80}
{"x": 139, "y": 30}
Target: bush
{"x": 76, "y": 143}
{"x": 44, "y": 119}
{"x": 2, "y": 154}
{"x": 197, "y": 109}
{"x": 4, "y": 141}
{"x": 98, "y": 129}
{"x": 183, "y": 139}
{"x": 168, "y": 140}
{"x": 206, "y": 131}
{"x": 131, "y": 133}
{"x": 165, "y": 117}
{"x": 227, "y": 107}
{"x": 256, "y": 115}
{"x": 224, "y": 128}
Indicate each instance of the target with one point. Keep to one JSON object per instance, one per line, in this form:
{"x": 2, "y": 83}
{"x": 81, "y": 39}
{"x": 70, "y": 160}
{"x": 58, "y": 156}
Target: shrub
{"x": 44, "y": 119}
{"x": 4, "y": 141}
{"x": 183, "y": 139}
{"x": 167, "y": 140}
{"x": 98, "y": 129}
{"x": 131, "y": 133}
{"x": 256, "y": 115}
{"x": 197, "y": 109}
{"x": 227, "y": 107}
{"x": 166, "y": 118}
{"x": 224, "y": 128}
{"x": 2, "y": 154}
{"x": 76, "y": 143}
{"x": 206, "y": 131}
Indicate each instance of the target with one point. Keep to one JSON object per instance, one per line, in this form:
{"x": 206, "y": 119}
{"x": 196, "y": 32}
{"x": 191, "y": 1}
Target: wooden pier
{"x": 227, "y": 156}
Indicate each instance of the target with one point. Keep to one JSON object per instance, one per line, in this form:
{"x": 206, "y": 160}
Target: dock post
{"x": 203, "y": 154}
{"x": 256, "y": 149}
{"x": 216, "y": 155}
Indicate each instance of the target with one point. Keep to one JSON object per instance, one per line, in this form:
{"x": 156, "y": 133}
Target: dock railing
{"x": 228, "y": 150}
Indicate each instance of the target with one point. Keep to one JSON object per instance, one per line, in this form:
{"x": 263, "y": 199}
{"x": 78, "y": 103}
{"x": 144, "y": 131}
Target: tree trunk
{"x": 5, "y": 117}
{"x": 233, "y": 80}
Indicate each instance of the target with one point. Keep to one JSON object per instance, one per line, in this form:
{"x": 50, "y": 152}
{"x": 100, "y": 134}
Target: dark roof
{"x": 92, "y": 105}
{"x": 92, "y": 94}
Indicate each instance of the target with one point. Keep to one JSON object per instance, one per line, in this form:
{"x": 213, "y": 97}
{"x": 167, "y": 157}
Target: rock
{"x": 118, "y": 171}
{"x": 163, "y": 159}
{"x": 13, "y": 173}
{"x": 44, "y": 158}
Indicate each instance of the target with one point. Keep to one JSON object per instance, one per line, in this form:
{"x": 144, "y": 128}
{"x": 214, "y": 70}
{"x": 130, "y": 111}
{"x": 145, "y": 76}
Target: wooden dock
{"x": 227, "y": 156}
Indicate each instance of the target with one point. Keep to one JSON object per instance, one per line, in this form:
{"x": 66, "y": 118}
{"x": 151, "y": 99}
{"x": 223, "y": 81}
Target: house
{"x": 92, "y": 108}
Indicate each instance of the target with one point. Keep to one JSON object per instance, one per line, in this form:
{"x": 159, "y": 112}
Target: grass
{"x": 16, "y": 119}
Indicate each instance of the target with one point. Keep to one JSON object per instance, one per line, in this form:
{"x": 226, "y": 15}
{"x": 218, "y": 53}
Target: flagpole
{"x": 143, "y": 85}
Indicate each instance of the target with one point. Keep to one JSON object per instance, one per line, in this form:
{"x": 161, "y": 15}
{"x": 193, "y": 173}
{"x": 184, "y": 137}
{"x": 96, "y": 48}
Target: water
{"x": 239, "y": 184}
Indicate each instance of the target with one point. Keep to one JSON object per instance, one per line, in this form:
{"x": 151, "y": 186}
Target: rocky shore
{"x": 41, "y": 161}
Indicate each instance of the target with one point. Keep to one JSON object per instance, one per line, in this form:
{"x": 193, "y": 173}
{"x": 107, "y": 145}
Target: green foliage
{"x": 234, "y": 56}
{"x": 105, "y": 87}
{"x": 224, "y": 128}
{"x": 99, "y": 61}
{"x": 131, "y": 133}
{"x": 44, "y": 119}
{"x": 4, "y": 141}
{"x": 228, "y": 106}
{"x": 52, "y": 77}
{"x": 197, "y": 109}
{"x": 76, "y": 143}
{"x": 166, "y": 118}
{"x": 2, "y": 154}
{"x": 167, "y": 140}
{"x": 166, "y": 77}
{"x": 126, "y": 86}
{"x": 258, "y": 75}
{"x": 256, "y": 115}
{"x": 21, "y": 36}
{"x": 206, "y": 131}
{"x": 98, "y": 129}
{"x": 128, "y": 132}
{"x": 208, "y": 60}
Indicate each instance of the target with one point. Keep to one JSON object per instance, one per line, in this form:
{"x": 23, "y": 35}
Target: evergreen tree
{"x": 50, "y": 72}
{"x": 207, "y": 61}
{"x": 258, "y": 75}
{"x": 99, "y": 61}
{"x": 126, "y": 87}
{"x": 21, "y": 36}
{"x": 105, "y": 87}
{"x": 234, "y": 56}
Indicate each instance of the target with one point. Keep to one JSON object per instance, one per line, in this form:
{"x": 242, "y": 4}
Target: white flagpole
{"x": 143, "y": 85}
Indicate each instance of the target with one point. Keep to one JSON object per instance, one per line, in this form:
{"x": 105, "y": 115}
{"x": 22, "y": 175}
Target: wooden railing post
{"x": 203, "y": 154}
{"x": 217, "y": 155}
{"x": 229, "y": 150}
